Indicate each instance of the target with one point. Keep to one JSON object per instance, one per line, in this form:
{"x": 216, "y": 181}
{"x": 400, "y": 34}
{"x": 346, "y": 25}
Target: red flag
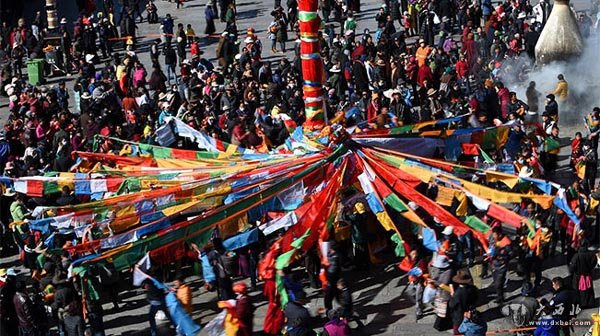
{"x": 470, "y": 149}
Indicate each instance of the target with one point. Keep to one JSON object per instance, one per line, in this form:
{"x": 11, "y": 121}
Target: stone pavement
{"x": 377, "y": 293}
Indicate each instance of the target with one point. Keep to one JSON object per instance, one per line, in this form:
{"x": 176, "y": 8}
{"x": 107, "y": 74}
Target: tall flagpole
{"x": 312, "y": 65}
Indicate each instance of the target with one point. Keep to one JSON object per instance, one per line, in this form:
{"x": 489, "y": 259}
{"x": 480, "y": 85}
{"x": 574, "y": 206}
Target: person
{"x": 359, "y": 219}
{"x": 167, "y": 29}
{"x": 333, "y": 273}
{"x": 562, "y": 89}
{"x": 592, "y": 124}
{"x": 551, "y": 107}
{"x": 18, "y": 210}
{"x": 24, "y": 308}
{"x": 244, "y": 309}
{"x": 170, "y": 63}
{"x": 547, "y": 325}
{"x": 581, "y": 267}
{"x": 551, "y": 150}
{"x": 184, "y": 294}
{"x": 224, "y": 285}
{"x": 156, "y": 297}
{"x": 337, "y": 325}
{"x": 67, "y": 198}
{"x": 346, "y": 309}
{"x": 210, "y": 16}
{"x": 473, "y": 324}
{"x": 272, "y": 30}
{"x": 74, "y": 323}
{"x": 298, "y": 321}
{"x": 501, "y": 253}
{"x": 563, "y": 303}
{"x": 533, "y": 97}
{"x": 416, "y": 288}
{"x": 464, "y": 298}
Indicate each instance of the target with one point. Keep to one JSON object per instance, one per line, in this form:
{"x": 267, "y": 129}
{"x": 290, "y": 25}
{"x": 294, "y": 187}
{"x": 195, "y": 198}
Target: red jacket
{"x": 462, "y": 69}
{"x": 424, "y": 74}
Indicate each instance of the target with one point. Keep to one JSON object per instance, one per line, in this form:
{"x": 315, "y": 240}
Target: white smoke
{"x": 582, "y": 75}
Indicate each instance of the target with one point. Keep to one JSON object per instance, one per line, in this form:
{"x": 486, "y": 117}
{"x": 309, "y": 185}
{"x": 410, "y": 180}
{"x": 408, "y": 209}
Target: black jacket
{"x": 563, "y": 303}
{"x": 23, "y": 306}
{"x": 464, "y": 299}
{"x": 345, "y": 301}
{"x": 297, "y": 316}
{"x": 170, "y": 56}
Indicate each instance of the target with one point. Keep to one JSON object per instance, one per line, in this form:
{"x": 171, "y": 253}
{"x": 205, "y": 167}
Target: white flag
{"x": 140, "y": 269}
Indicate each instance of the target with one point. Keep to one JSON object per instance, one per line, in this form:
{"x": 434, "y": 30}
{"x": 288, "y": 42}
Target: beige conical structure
{"x": 560, "y": 40}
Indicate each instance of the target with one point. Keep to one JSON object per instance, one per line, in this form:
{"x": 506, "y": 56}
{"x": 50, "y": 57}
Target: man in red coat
{"x": 244, "y": 309}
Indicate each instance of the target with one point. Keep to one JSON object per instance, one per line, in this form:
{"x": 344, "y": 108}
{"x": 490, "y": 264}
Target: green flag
{"x": 486, "y": 157}
{"x": 395, "y": 203}
{"x": 476, "y": 224}
{"x": 399, "y": 250}
{"x": 551, "y": 144}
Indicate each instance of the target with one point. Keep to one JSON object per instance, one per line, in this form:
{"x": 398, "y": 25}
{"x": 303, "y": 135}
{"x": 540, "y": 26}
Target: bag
{"x": 216, "y": 327}
{"x": 585, "y": 282}
{"x": 273, "y": 29}
{"x": 230, "y": 263}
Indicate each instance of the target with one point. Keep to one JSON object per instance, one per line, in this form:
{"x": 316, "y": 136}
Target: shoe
{"x": 418, "y": 317}
{"x": 273, "y": 50}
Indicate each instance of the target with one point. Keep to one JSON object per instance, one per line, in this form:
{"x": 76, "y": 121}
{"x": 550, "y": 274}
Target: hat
{"x": 238, "y": 56}
{"x": 551, "y": 96}
{"x": 413, "y": 206}
{"x": 462, "y": 277}
{"x": 389, "y": 93}
{"x": 360, "y": 207}
{"x": 248, "y": 39}
{"x": 63, "y": 21}
{"x": 89, "y": 58}
{"x": 431, "y": 92}
{"x": 162, "y": 96}
{"x": 9, "y": 192}
{"x": 86, "y": 95}
{"x": 240, "y": 287}
{"x": 224, "y": 34}
{"x": 349, "y": 32}
{"x": 448, "y": 230}
{"x": 525, "y": 172}
{"x": 186, "y": 61}
{"x": 11, "y": 272}
{"x": 421, "y": 41}
{"x": 9, "y": 165}
{"x": 521, "y": 16}
{"x": 335, "y": 69}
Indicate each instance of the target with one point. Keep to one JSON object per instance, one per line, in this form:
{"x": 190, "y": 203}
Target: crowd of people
{"x": 425, "y": 60}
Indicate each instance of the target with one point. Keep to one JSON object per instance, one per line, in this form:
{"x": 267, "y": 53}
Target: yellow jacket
{"x": 562, "y": 90}
{"x": 184, "y": 295}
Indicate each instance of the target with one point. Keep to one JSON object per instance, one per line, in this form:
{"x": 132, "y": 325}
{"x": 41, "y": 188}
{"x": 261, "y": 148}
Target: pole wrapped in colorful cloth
{"x": 312, "y": 65}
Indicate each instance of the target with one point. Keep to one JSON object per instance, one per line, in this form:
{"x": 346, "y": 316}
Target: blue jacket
{"x": 547, "y": 326}
{"x": 469, "y": 328}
